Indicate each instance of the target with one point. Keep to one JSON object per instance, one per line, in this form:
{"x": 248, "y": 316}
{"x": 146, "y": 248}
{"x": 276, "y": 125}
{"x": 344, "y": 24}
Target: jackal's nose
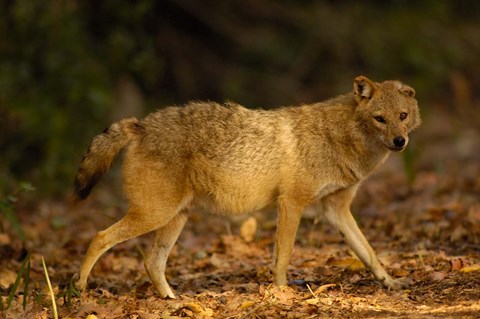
{"x": 399, "y": 141}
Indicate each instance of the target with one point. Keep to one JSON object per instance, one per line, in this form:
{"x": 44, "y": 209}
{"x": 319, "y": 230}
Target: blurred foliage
{"x": 52, "y": 86}
{"x": 8, "y": 209}
{"x": 61, "y": 62}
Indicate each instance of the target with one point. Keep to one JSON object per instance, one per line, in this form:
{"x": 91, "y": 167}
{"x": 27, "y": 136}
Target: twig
{"x": 54, "y": 304}
{"x": 311, "y": 291}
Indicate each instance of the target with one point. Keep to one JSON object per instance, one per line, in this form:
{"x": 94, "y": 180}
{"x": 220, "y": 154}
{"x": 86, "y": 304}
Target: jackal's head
{"x": 387, "y": 111}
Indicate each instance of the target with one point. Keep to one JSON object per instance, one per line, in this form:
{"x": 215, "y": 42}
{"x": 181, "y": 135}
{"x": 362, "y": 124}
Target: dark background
{"x": 70, "y": 68}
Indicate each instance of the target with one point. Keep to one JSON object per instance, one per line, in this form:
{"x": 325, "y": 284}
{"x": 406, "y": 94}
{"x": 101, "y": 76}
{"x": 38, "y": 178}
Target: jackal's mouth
{"x": 395, "y": 148}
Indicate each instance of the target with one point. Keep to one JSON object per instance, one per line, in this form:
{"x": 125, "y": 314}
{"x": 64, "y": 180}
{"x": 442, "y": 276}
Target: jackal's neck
{"x": 348, "y": 138}
{"x": 370, "y": 152}
{"x": 329, "y": 138}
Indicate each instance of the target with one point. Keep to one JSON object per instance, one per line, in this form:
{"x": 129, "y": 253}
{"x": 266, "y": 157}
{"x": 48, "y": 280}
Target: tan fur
{"x": 232, "y": 160}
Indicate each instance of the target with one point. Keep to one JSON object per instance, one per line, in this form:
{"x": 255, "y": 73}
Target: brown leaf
{"x": 125, "y": 263}
{"x": 198, "y": 309}
{"x": 5, "y": 239}
{"x": 101, "y": 311}
{"x": 238, "y": 248}
{"x": 312, "y": 301}
{"x": 7, "y": 278}
{"x": 218, "y": 261}
{"x": 400, "y": 273}
{"x": 248, "y": 229}
{"x": 458, "y": 233}
{"x": 323, "y": 288}
{"x": 347, "y": 263}
{"x": 283, "y": 295}
{"x": 473, "y": 215}
{"x": 458, "y": 263}
{"x": 437, "y": 275}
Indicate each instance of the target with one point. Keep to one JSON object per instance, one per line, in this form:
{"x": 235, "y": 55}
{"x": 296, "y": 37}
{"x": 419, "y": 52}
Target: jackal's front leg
{"x": 289, "y": 215}
{"x": 337, "y": 211}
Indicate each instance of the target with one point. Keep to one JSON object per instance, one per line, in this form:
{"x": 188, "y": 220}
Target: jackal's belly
{"x": 234, "y": 194}
{"x": 232, "y": 203}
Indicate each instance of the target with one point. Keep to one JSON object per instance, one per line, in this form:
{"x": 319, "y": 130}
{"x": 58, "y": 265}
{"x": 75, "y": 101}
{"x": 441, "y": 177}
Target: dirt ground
{"x": 428, "y": 231}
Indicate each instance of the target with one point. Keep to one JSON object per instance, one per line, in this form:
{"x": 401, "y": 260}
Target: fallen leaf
{"x": 400, "y": 273}
{"x": 458, "y": 263}
{"x": 4, "y": 239}
{"x": 437, "y": 275}
{"x": 238, "y": 248}
{"x": 473, "y": 215}
{"x": 146, "y": 315}
{"x": 125, "y": 263}
{"x": 247, "y": 304}
{"x": 355, "y": 278}
{"x": 248, "y": 229}
{"x": 347, "y": 263}
{"x": 312, "y": 301}
{"x": 323, "y": 288}
{"x": 101, "y": 310}
{"x": 458, "y": 233}
{"x": 196, "y": 308}
{"x": 7, "y": 278}
{"x": 283, "y": 295}
{"x": 470, "y": 268}
{"x": 218, "y": 262}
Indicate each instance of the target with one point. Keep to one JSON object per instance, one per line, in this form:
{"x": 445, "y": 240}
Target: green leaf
{"x": 12, "y": 199}
{"x": 71, "y": 291}
{"x": 26, "y": 280}
{"x": 17, "y": 280}
{"x": 13, "y": 220}
{"x": 26, "y": 187}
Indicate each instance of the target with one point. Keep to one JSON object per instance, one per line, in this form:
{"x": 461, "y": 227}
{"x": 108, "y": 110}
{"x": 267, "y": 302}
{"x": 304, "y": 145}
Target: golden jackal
{"x": 234, "y": 160}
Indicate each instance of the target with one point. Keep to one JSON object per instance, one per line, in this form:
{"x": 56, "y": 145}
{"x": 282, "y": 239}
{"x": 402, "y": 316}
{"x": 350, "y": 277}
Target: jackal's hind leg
{"x": 136, "y": 222}
{"x": 127, "y": 228}
{"x": 156, "y": 260}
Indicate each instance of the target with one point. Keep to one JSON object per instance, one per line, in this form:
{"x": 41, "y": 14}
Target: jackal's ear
{"x": 363, "y": 89}
{"x": 407, "y": 90}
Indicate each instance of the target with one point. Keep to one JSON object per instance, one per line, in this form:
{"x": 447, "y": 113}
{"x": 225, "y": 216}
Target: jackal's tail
{"x": 101, "y": 153}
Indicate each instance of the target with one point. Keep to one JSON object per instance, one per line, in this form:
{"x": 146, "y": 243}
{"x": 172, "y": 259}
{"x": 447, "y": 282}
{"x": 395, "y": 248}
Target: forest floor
{"x": 428, "y": 231}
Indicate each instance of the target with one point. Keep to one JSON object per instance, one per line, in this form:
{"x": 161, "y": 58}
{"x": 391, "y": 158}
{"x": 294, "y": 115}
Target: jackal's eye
{"x": 403, "y": 116}
{"x": 379, "y": 119}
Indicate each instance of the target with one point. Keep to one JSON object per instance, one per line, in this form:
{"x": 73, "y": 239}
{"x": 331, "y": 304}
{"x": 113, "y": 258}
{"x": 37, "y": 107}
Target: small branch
{"x": 54, "y": 304}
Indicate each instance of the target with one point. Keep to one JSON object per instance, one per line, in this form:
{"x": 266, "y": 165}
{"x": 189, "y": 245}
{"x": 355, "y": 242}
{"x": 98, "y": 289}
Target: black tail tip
{"x": 73, "y": 199}
{"x": 83, "y": 187}
{"x": 80, "y": 192}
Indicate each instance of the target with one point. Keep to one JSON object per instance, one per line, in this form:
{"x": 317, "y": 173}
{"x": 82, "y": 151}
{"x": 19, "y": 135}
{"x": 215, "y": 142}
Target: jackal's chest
{"x": 327, "y": 189}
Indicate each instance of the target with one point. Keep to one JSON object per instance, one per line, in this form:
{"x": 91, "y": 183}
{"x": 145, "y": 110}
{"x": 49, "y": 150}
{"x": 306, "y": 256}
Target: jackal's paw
{"x": 166, "y": 292}
{"x": 397, "y": 284}
{"x": 78, "y": 284}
